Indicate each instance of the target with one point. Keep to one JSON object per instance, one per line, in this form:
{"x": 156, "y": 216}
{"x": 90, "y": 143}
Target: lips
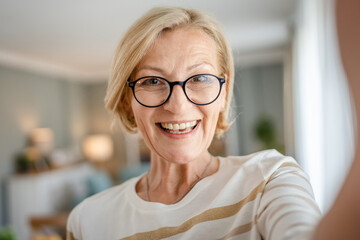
{"x": 179, "y": 128}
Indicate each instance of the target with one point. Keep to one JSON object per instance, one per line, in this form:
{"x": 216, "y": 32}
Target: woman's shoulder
{"x": 108, "y": 197}
{"x": 265, "y": 162}
{"x": 100, "y": 204}
{"x": 261, "y": 157}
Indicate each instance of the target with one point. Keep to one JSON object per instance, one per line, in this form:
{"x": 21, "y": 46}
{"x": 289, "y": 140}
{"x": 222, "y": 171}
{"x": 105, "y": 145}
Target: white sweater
{"x": 260, "y": 196}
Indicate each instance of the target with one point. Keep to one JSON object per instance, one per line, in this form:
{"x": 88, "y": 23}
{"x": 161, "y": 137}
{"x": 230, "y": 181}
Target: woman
{"x": 172, "y": 80}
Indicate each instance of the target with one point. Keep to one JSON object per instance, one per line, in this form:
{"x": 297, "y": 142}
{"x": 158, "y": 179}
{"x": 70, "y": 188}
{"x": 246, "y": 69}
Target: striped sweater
{"x": 259, "y": 196}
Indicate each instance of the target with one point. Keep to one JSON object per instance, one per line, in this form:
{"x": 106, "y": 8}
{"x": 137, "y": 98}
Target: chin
{"x": 181, "y": 156}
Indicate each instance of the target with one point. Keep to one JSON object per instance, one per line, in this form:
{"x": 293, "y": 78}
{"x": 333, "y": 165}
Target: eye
{"x": 151, "y": 82}
{"x": 202, "y": 79}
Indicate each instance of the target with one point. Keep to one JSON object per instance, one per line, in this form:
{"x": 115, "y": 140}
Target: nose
{"x": 178, "y": 101}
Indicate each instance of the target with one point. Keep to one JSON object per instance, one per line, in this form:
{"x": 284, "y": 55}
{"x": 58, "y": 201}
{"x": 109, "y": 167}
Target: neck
{"x": 167, "y": 181}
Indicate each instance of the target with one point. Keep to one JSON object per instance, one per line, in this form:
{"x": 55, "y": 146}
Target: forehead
{"x": 181, "y": 48}
{"x": 187, "y": 33}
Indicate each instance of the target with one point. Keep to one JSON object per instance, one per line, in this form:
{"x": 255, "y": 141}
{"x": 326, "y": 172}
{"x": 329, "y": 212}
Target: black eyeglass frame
{"x": 172, "y": 84}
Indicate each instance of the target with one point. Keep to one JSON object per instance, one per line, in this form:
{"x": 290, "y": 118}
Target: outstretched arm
{"x": 343, "y": 219}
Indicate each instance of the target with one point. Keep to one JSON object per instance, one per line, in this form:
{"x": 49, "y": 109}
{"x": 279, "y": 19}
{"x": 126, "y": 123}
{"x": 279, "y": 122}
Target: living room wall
{"x": 72, "y": 109}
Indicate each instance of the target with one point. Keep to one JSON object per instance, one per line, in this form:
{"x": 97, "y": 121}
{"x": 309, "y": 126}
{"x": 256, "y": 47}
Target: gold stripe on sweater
{"x": 70, "y": 236}
{"x": 290, "y": 164}
{"x": 209, "y": 215}
{"x": 239, "y": 230}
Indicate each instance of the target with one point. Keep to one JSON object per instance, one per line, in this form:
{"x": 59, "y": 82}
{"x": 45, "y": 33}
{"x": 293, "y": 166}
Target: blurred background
{"x": 56, "y": 144}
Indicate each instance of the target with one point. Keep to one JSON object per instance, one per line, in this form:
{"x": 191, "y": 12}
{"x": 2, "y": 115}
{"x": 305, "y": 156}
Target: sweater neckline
{"x": 197, "y": 189}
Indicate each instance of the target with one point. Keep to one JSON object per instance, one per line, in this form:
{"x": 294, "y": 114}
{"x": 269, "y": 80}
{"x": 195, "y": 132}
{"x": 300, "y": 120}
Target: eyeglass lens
{"x": 154, "y": 91}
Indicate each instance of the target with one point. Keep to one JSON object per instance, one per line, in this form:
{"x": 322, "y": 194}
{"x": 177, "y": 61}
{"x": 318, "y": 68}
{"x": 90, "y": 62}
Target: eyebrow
{"x": 159, "y": 70}
{"x": 199, "y": 64}
{"x": 149, "y": 67}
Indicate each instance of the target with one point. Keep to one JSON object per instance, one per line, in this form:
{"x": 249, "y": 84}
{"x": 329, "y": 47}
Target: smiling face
{"x": 179, "y": 131}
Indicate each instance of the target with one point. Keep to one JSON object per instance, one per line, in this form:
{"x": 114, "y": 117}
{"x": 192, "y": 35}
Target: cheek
{"x": 222, "y": 99}
{"x": 139, "y": 115}
{"x": 143, "y": 116}
{"x": 214, "y": 111}
{"x": 212, "y": 115}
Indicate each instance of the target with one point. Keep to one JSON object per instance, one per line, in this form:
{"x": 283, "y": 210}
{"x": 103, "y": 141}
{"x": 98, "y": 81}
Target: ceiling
{"x": 76, "y": 38}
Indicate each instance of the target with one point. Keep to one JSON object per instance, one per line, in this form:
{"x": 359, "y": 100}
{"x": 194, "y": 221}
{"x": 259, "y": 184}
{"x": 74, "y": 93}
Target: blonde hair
{"x": 135, "y": 44}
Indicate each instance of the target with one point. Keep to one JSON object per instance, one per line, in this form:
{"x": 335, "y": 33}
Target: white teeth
{"x": 182, "y": 132}
{"x": 178, "y": 126}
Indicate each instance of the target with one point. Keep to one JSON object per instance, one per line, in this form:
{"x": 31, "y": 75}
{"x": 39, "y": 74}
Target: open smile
{"x": 179, "y": 128}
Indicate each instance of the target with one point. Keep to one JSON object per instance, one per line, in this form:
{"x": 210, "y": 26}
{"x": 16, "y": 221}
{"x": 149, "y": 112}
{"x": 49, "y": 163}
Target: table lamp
{"x": 98, "y": 148}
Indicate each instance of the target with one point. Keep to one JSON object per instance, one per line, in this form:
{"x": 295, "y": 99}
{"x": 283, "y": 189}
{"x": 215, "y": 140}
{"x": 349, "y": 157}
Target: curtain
{"x": 324, "y": 132}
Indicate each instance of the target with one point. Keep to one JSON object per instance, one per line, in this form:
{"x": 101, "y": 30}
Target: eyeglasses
{"x": 200, "y": 89}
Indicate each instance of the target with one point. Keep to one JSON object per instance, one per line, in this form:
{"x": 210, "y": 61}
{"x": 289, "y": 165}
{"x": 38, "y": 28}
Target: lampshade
{"x": 98, "y": 147}
{"x": 42, "y": 139}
